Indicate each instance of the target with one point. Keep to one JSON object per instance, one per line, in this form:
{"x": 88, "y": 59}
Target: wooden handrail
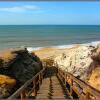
{"x": 23, "y": 87}
{"x": 87, "y": 91}
{"x": 83, "y": 90}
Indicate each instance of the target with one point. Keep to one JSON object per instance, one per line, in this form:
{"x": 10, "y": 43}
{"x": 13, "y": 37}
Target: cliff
{"x": 75, "y": 60}
{"x": 16, "y": 67}
{"x": 82, "y": 62}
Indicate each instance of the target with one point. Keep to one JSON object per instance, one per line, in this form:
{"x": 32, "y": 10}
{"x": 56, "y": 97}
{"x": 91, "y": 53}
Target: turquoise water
{"x": 12, "y": 36}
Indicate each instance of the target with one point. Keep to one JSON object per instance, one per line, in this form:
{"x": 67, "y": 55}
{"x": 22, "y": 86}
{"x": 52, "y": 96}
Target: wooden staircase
{"x": 54, "y": 83}
{"x": 51, "y": 89}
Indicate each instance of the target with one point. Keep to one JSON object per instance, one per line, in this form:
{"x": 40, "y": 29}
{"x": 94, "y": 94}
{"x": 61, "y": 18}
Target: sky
{"x": 49, "y": 13}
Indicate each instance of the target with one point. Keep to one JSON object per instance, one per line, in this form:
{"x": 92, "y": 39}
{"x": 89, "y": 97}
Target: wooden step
{"x": 51, "y": 88}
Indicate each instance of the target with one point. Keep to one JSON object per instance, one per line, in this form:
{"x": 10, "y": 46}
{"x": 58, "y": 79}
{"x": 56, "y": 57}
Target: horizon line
{"x": 47, "y": 24}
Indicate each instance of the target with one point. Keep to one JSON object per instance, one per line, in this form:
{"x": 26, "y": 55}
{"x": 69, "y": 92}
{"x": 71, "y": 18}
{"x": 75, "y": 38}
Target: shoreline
{"x": 62, "y": 46}
{"x": 93, "y": 43}
{"x": 45, "y": 52}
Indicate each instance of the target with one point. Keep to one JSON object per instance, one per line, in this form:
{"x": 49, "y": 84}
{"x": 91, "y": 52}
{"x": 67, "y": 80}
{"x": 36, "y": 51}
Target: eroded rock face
{"x": 21, "y": 67}
{"x": 94, "y": 79}
{"x": 83, "y": 62}
{"x": 75, "y": 60}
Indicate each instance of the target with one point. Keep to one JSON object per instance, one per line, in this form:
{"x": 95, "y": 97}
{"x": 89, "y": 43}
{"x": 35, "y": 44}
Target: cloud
{"x": 20, "y": 8}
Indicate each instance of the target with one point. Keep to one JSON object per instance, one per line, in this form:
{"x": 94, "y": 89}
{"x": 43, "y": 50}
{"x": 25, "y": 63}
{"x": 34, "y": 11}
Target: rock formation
{"x": 83, "y": 62}
{"x": 19, "y": 65}
{"x": 75, "y": 60}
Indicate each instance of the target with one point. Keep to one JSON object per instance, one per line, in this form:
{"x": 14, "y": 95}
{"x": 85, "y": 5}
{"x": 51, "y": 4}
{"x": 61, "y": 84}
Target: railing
{"x": 36, "y": 81}
{"x": 74, "y": 85}
{"x": 83, "y": 90}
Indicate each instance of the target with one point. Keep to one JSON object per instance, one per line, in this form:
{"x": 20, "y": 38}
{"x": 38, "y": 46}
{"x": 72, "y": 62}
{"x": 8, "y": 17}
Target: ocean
{"x": 15, "y": 36}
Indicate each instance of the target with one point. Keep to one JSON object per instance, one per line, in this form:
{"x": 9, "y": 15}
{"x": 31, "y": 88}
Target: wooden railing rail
{"x": 83, "y": 90}
{"x": 36, "y": 80}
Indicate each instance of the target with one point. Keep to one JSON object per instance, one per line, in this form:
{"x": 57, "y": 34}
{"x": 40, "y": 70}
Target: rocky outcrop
{"x": 83, "y": 62}
{"x": 25, "y": 66}
{"x": 21, "y": 66}
{"x": 75, "y": 60}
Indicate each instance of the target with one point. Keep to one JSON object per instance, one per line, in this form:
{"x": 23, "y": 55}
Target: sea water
{"x": 38, "y": 36}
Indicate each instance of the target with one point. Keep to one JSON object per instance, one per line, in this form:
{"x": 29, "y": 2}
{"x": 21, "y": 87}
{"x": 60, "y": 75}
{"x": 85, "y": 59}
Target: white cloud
{"x": 20, "y": 8}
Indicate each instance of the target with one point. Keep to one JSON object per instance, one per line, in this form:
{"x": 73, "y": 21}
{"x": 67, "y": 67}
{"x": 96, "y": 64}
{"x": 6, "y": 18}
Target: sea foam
{"x": 94, "y": 43}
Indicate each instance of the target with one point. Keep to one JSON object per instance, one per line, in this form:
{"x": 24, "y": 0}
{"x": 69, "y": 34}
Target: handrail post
{"x": 22, "y": 95}
{"x": 34, "y": 88}
{"x": 87, "y": 94}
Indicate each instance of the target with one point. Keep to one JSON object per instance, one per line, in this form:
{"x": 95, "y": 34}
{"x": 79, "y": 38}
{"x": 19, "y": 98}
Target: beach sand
{"x": 49, "y": 52}
{"x": 46, "y": 52}
{"x": 6, "y": 55}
